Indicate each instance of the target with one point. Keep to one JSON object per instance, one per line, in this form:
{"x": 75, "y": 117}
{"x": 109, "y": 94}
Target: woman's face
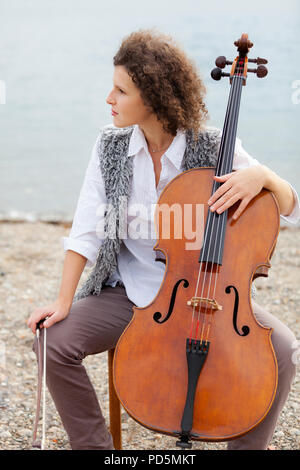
{"x": 126, "y": 101}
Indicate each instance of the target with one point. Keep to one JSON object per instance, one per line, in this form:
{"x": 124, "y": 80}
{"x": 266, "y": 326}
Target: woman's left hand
{"x": 241, "y": 185}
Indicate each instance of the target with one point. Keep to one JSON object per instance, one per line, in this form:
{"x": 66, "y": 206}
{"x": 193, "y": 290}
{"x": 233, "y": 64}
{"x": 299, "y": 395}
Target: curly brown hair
{"x": 167, "y": 79}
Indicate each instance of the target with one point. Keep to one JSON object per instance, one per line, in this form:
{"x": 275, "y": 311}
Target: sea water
{"x": 56, "y": 72}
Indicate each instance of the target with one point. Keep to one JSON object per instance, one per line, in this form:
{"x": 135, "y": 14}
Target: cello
{"x": 195, "y": 363}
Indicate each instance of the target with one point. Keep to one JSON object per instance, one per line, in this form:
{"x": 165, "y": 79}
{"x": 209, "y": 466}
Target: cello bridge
{"x": 204, "y": 302}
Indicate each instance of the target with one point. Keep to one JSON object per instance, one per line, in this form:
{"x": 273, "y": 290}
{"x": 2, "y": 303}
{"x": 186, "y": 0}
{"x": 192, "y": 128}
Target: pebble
{"x": 30, "y": 272}
{"x": 294, "y": 431}
{"x": 5, "y": 434}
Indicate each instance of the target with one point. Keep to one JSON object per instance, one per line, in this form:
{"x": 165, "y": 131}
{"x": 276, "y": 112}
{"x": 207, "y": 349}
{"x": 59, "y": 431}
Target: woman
{"x": 159, "y": 116}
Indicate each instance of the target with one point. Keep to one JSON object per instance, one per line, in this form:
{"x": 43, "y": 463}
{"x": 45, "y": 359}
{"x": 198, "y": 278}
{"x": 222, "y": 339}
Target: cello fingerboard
{"x": 214, "y": 237}
{"x": 214, "y": 234}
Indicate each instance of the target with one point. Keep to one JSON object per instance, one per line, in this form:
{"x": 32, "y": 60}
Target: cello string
{"x": 229, "y": 126}
{"x": 231, "y": 101}
{"x": 216, "y": 218}
{"x": 211, "y": 316}
{"x": 228, "y": 168}
{"x": 208, "y": 229}
{"x": 211, "y": 219}
{"x": 228, "y": 165}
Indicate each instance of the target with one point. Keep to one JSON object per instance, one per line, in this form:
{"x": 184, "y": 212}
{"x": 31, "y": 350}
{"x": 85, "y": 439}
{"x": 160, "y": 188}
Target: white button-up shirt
{"x": 137, "y": 268}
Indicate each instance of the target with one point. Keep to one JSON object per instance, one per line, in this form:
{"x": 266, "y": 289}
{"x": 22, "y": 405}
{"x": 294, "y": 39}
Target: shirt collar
{"x": 174, "y": 153}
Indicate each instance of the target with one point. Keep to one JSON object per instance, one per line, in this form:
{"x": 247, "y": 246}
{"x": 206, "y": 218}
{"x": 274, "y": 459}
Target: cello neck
{"x": 227, "y": 145}
{"x": 215, "y": 228}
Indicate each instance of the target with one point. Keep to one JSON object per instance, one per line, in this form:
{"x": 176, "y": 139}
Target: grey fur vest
{"x": 117, "y": 168}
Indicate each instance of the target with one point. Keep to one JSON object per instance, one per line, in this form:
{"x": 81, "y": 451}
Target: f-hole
{"x": 157, "y": 315}
{"x": 245, "y": 328}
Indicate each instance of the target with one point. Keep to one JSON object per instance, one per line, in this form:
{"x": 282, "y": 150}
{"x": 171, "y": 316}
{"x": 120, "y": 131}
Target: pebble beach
{"x": 31, "y": 264}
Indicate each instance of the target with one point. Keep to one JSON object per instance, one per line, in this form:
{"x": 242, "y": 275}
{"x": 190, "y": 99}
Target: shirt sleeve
{"x": 87, "y": 231}
{"x": 242, "y": 160}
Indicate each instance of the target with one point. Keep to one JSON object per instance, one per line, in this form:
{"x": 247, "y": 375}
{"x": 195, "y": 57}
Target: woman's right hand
{"x": 53, "y": 313}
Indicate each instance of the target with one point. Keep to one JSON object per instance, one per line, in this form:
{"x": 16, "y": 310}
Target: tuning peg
{"x": 261, "y": 71}
{"x": 222, "y": 62}
{"x": 259, "y": 60}
{"x": 217, "y": 74}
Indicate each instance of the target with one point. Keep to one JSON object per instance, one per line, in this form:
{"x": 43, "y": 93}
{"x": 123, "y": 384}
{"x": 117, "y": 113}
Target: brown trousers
{"x": 94, "y": 325}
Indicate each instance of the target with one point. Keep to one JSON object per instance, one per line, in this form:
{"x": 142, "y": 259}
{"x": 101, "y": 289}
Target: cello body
{"x": 237, "y": 384}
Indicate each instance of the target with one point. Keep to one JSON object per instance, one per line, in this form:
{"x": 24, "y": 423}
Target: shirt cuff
{"x": 83, "y": 248}
{"x": 294, "y": 216}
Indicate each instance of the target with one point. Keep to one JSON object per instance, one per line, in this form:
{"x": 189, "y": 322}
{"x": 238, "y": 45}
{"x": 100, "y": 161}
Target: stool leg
{"x": 114, "y": 406}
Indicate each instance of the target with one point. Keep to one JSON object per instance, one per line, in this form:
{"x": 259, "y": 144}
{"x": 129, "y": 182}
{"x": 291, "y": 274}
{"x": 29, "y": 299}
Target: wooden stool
{"x": 114, "y": 406}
